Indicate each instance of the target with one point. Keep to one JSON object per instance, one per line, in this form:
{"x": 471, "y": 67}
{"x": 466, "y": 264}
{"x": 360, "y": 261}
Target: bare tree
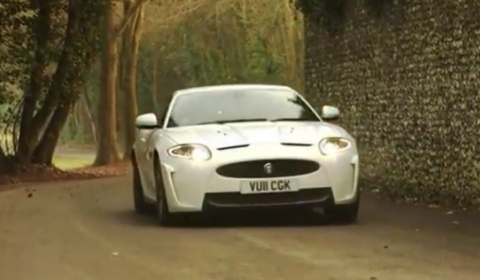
{"x": 128, "y": 82}
{"x": 129, "y": 31}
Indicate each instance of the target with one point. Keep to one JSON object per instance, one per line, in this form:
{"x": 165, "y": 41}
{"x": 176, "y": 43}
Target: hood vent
{"x": 297, "y": 144}
{"x": 233, "y": 147}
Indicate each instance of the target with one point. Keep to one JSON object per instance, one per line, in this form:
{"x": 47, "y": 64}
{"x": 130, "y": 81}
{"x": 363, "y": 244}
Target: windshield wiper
{"x": 234, "y": 121}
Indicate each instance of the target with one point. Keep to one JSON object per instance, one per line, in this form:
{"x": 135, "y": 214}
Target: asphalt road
{"x": 87, "y": 230}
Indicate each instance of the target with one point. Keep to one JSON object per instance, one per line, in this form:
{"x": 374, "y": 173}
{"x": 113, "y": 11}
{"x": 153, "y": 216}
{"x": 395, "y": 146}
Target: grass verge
{"x": 71, "y": 162}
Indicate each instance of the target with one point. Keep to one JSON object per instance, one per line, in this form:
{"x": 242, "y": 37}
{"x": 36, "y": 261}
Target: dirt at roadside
{"x": 39, "y": 173}
{"x": 42, "y": 174}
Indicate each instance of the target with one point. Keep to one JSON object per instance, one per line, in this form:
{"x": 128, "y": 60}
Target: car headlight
{"x": 190, "y": 151}
{"x": 333, "y": 145}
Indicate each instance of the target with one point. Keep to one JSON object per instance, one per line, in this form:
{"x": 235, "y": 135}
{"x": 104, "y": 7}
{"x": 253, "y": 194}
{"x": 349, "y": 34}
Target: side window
{"x": 163, "y": 112}
{"x": 163, "y": 115}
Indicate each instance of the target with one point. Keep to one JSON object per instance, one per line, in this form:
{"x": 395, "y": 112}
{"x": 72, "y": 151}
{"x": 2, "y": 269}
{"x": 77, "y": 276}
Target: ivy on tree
{"x": 330, "y": 13}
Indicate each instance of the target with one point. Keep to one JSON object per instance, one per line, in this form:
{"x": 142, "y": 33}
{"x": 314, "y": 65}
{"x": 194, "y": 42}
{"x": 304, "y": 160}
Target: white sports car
{"x": 243, "y": 146}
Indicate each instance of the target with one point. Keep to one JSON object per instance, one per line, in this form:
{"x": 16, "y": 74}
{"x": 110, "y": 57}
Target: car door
{"x": 140, "y": 148}
{"x": 148, "y": 154}
{"x": 148, "y": 157}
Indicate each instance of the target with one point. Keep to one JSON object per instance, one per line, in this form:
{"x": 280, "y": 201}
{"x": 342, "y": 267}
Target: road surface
{"x": 86, "y": 230}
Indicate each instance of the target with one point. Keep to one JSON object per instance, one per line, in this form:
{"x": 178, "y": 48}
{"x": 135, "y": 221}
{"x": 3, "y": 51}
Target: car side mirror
{"x": 146, "y": 121}
{"x": 330, "y": 113}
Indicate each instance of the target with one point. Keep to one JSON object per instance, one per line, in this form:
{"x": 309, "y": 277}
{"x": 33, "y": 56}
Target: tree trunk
{"x": 120, "y": 124}
{"x": 107, "y": 151}
{"x": 46, "y": 147}
{"x": 27, "y": 136}
{"x": 93, "y": 123}
{"x": 156, "y": 102}
{"x": 61, "y": 95}
{"x": 76, "y": 58}
{"x": 4, "y": 166}
{"x": 87, "y": 120}
{"x": 130, "y": 83}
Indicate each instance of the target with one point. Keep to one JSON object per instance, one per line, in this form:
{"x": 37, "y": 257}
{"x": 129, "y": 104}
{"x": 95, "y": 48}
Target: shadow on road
{"x": 236, "y": 219}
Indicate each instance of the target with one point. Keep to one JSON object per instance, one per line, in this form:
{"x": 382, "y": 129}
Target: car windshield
{"x": 232, "y": 106}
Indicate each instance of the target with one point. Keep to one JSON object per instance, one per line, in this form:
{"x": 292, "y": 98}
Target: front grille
{"x": 279, "y": 168}
{"x": 306, "y": 196}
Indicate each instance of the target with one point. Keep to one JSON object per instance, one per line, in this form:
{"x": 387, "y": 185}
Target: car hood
{"x": 219, "y": 136}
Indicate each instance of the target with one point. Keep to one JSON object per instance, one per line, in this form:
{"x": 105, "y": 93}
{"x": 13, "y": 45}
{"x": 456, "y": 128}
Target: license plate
{"x": 268, "y": 186}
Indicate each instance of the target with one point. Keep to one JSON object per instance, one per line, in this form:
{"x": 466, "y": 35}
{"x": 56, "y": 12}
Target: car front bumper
{"x": 195, "y": 186}
{"x": 302, "y": 199}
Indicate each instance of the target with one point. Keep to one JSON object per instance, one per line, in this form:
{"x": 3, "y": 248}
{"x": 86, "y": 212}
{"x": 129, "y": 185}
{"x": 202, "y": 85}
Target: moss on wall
{"x": 407, "y": 79}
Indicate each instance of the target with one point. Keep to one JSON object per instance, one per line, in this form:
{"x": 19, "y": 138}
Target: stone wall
{"x": 408, "y": 84}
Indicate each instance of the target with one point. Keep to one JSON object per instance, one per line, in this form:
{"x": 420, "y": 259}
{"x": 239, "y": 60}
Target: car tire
{"x": 164, "y": 216}
{"x": 344, "y": 214}
{"x": 139, "y": 203}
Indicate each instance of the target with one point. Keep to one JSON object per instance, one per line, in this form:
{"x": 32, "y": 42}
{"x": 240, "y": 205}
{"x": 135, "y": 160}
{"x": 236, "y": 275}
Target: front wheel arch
{"x": 156, "y": 165}
{"x": 156, "y": 158}
{"x": 164, "y": 216}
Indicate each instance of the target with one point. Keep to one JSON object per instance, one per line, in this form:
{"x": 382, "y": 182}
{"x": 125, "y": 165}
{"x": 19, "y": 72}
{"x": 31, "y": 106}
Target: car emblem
{"x": 268, "y": 168}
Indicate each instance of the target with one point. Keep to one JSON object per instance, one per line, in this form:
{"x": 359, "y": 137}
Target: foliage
{"x": 378, "y": 6}
{"x": 49, "y": 49}
{"x": 408, "y": 95}
{"x": 330, "y": 13}
{"x": 236, "y": 43}
{"x": 194, "y": 42}
{"x": 15, "y": 20}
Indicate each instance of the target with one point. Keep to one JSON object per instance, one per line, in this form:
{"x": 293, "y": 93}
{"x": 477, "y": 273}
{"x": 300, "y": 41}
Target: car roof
{"x": 231, "y": 87}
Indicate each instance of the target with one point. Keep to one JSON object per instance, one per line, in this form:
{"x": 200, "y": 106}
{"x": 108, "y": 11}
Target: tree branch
{"x": 127, "y": 19}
